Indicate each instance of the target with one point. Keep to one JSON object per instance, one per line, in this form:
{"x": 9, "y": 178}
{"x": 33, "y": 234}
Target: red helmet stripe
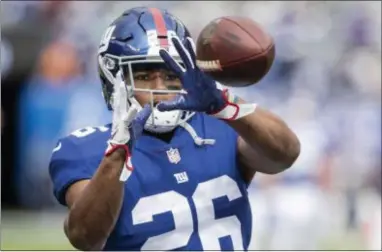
{"x": 160, "y": 27}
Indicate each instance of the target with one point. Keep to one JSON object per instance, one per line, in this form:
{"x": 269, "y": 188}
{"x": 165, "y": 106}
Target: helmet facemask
{"x": 158, "y": 121}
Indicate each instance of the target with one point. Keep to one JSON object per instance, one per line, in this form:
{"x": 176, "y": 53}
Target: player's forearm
{"x": 94, "y": 214}
{"x": 268, "y": 136}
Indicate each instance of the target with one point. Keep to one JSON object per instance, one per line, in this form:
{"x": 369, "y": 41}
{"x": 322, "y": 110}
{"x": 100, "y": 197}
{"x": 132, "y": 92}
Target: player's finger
{"x": 178, "y": 103}
{"x": 120, "y": 76}
{"x": 130, "y": 114}
{"x": 123, "y": 96}
{"x": 116, "y": 102}
{"x": 183, "y": 53}
{"x": 138, "y": 123}
{"x": 191, "y": 48}
{"x": 143, "y": 115}
{"x": 172, "y": 64}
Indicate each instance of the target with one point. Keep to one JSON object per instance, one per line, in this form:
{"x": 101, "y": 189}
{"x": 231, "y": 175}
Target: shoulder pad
{"x": 76, "y": 157}
{"x": 80, "y": 141}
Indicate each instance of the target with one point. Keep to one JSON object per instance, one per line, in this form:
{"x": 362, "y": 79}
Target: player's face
{"x": 154, "y": 78}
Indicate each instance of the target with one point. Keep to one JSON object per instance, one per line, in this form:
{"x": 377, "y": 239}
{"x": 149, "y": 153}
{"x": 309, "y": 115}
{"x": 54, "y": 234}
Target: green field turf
{"x": 33, "y": 231}
{"x": 44, "y": 231}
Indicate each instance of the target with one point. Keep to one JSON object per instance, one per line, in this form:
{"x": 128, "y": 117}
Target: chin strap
{"x": 233, "y": 110}
{"x": 197, "y": 140}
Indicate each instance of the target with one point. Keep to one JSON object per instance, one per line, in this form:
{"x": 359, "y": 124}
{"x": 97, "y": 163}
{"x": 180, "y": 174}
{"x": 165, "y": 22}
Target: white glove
{"x": 128, "y": 123}
{"x": 123, "y": 113}
{"x": 123, "y": 116}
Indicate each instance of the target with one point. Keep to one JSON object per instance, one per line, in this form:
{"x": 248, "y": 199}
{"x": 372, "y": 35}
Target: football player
{"x": 172, "y": 169}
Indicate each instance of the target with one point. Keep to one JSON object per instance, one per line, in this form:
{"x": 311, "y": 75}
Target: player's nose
{"x": 159, "y": 83}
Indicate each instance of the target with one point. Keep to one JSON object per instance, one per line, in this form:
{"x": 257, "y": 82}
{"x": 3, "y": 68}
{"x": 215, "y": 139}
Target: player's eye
{"x": 141, "y": 77}
{"x": 171, "y": 77}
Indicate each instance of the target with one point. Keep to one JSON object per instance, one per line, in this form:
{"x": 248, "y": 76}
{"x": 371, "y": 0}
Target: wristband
{"x": 233, "y": 110}
{"x": 127, "y": 167}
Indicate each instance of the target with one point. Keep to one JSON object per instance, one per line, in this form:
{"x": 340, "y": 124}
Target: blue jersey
{"x": 180, "y": 196}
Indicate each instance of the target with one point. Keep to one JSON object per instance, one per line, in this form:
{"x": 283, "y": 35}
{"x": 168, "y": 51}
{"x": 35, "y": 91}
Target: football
{"x": 235, "y": 51}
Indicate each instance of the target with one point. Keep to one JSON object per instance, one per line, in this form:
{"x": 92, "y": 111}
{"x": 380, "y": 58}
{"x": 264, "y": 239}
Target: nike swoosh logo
{"x": 57, "y": 148}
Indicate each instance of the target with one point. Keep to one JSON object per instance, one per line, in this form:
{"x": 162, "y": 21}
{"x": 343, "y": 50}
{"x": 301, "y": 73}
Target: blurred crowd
{"x": 325, "y": 82}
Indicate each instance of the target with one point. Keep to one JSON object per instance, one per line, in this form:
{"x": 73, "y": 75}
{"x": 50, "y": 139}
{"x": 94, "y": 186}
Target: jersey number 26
{"x": 209, "y": 228}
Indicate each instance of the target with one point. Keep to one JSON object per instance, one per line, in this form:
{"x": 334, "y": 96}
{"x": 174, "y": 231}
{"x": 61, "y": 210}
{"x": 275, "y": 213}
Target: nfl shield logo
{"x": 173, "y": 155}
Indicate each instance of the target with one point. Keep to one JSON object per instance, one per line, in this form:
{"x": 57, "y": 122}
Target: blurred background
{"x": 325, "y": 82}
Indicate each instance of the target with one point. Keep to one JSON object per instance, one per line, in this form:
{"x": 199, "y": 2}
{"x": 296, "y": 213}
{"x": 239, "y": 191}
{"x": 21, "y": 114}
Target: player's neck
{"x": 165, "y": 137}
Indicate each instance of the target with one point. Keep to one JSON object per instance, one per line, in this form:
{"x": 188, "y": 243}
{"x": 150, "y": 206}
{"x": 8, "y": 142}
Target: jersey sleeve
{"x": 67, "y": 166}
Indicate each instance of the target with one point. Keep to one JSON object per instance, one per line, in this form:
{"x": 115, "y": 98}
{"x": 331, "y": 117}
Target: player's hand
{"x": 127, "y": 125}
{"x": 202, "y": 92}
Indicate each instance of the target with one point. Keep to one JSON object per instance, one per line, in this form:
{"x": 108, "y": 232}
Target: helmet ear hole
{"x": 110, "y": 63}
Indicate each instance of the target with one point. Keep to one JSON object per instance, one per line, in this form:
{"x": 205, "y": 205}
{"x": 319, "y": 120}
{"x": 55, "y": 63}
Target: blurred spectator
{"x": 56, "y": 101}
{"x": 6, "y": 57}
